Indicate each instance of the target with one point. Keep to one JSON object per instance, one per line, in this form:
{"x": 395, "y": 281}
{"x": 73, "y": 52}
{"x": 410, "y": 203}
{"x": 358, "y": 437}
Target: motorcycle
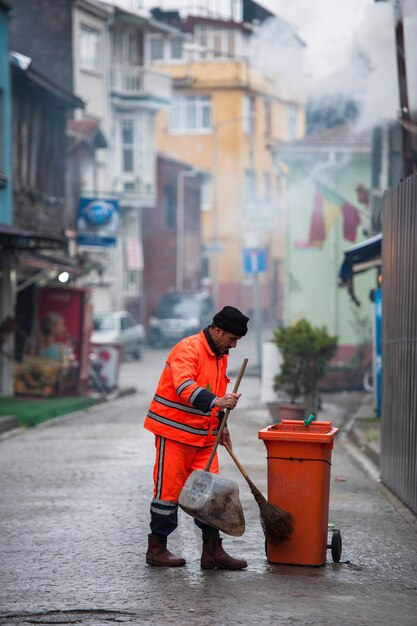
{"x": 98, "y": 382}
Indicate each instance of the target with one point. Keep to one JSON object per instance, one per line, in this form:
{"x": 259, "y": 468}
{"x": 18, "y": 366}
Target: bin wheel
{"x": 336, "y": 546}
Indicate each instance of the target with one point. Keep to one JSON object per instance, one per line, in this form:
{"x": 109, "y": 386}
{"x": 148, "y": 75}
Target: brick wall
{"x": 160, "y": 235}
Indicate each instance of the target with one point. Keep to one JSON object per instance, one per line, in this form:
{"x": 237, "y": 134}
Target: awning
{"x": 87, "y": 132}
{"x": 360, "y": 258}
{"x": 15, "y": 238}
{"x": 43, "y": 265}
{"x": 43, "y": 262}
{"x": 23, "y": 64}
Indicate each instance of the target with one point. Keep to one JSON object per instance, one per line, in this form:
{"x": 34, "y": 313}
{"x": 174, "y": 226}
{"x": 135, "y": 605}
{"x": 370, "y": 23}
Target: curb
{"x": 361, "y": 448}
{"x": 10, "y": 424}
{"x": 358, "y": 438}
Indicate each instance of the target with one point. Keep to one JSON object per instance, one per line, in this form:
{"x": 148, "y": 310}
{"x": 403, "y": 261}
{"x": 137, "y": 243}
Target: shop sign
{"x": 97, "y": 222}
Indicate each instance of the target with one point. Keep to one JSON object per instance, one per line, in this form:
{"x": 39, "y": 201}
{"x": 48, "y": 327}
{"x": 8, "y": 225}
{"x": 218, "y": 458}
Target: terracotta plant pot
{"x": 290, "y": 411}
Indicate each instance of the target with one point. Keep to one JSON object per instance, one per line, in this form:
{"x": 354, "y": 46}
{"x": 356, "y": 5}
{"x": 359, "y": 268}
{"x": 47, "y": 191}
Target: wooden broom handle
{"x": 226, "y": 415}
{"x": 241, "y": 469}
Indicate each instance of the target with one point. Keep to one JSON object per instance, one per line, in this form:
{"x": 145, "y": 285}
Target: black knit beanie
{"x": 232, "y": 321}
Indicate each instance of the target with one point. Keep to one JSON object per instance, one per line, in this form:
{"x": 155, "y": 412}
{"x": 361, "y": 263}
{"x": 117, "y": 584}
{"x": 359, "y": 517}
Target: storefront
{"x": 36, "y": 310}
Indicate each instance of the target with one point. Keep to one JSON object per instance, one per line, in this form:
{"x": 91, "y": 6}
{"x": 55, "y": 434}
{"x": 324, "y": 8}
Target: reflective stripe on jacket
{"x": 191, "y": 368}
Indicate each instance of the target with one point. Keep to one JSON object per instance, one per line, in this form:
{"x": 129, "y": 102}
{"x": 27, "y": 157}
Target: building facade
{"x": 172, "y": 233}
{"x": 6, "y": 257}
{"x": 327, "y": 213}
{"x": 101, "y": 50}
{"x": 226, "y": 113}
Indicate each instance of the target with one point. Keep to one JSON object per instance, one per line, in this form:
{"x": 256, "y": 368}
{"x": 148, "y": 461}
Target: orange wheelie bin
{"x": 299, "y": 461}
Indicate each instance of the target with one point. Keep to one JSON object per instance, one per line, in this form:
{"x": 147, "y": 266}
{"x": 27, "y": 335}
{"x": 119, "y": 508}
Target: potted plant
{"x": 305, "y": 351}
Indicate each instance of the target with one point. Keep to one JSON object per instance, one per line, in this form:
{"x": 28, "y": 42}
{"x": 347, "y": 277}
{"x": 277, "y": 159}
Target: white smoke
{"x": 369, "y": 76}
{"x": 351, "y": 51}
{"x": 277, "y": 52}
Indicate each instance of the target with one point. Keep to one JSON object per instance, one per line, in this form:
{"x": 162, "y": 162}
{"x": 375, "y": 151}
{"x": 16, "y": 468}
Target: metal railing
{"x": 140, "y": 82}
{"x": 399, "y": 342}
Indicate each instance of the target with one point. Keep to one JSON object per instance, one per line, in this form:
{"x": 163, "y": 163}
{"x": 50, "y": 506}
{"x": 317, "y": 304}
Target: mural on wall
{"x": 327, "y": 207}
{"x": 57, "y": 358}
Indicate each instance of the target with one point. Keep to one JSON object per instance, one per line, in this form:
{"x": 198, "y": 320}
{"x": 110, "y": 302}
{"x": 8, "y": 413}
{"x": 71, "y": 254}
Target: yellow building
{"x": 224, "y": 116}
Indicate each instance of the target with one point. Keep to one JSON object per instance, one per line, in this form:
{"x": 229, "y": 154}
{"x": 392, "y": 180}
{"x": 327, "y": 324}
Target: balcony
{"x": 137, "y": 194}
{"x": 142, "y": 83}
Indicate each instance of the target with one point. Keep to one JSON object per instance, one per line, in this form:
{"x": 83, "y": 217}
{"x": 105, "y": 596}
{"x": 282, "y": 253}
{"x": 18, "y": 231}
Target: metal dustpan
{"x": 211, "y": 498}
{"x": 214, "y": 500}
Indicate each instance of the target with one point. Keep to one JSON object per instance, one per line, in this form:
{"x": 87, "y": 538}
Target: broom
{"x": 276, "y": 523}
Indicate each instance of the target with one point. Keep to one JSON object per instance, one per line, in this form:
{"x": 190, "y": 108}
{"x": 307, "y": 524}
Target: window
{"x": 231, "y": 43}
{"x": 128, "y": 134}
{"x": 249, "y": 109}
{"x": 131, "y": 282}
{"x": 145, "y": 152}
{"x": 162, "y": 48}
{"x": 278, "y": 185}
{"x": 170, "y": 207}
{"x": 129, "y": 47}
{"x": 201, "y": 35}
{"x": 190, "y": 114}
{"x": 90, "y": 49}
{"x": 176, "y": 48}
{"x": 250, "y": 191}
{"x": 205, "y": 267}
{"x": 207, "y": 194}
{"x": 267, "y": 118}
{"x": 157, "y": 48}
{"x": 127, "y": 322}
{"x": 267, "y": 186}
{"x": 217, "y": 44}
{"x": 292, "y": 121}
{"x": 217, "y": 41}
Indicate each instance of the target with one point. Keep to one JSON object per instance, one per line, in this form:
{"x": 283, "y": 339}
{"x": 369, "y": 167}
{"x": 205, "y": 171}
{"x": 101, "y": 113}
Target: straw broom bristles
{"x": 276, "y": 523}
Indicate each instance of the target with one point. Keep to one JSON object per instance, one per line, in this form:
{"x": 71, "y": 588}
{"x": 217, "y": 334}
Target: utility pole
{"x": 402, "y": 87}
{"x": 403, "y": 92}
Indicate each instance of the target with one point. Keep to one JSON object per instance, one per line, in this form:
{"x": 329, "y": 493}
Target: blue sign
{"x": 254, "y": 260}
{"x": 97, "y": 222}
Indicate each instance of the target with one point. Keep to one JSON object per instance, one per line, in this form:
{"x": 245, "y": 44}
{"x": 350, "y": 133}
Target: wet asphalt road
{"x": 74, "y": 500}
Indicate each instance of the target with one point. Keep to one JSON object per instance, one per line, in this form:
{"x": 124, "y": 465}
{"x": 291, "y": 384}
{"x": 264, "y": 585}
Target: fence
{"x": 399, "y": 342}
{"x": 140, "y": 82}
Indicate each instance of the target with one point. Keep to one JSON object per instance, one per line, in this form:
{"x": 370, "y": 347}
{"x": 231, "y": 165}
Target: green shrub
{"x": 305, "y": 351}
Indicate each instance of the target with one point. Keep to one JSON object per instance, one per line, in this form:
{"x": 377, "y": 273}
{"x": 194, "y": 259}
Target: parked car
{"x": 178, "y": 315}
{"x": 119, "y": 327}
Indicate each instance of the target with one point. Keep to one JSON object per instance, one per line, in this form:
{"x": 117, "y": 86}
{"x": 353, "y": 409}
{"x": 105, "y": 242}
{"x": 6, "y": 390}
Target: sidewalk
{"x": 364, "y": 431}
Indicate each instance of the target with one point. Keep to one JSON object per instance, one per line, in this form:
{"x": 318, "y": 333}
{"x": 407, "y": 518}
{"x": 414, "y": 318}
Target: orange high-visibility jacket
{"x": 192, "y": 368}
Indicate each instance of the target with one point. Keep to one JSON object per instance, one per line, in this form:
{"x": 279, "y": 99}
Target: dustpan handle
{"x": 226, "y": 415}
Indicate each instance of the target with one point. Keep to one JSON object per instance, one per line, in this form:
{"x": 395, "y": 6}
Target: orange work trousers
{"x": 174, "y": 462}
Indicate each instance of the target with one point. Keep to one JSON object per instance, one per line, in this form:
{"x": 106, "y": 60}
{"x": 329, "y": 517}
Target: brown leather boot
{"x": 158, "y": 554}
{"x": 215, "y": 556}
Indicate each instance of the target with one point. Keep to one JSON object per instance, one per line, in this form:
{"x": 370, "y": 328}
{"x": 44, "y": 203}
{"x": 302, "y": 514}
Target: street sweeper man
{"x": 184, "y": 415}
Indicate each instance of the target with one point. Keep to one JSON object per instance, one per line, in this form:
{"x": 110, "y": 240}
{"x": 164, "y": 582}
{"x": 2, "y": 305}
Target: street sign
{"x": 254, "y": 260}
{"x": 214, "y": 247}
